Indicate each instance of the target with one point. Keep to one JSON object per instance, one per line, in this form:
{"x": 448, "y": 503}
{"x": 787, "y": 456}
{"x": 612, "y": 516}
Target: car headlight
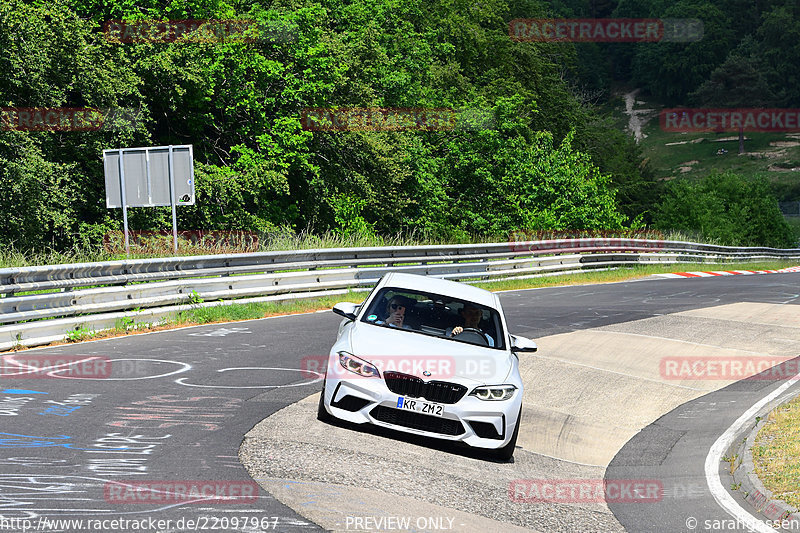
{"x": 358, "y": 366}
{"x": 494, "y": 392}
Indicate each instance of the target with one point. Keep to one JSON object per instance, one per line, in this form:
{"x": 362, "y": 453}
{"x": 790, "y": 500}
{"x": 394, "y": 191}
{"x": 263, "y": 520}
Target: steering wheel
{"x": 473, "y": 335}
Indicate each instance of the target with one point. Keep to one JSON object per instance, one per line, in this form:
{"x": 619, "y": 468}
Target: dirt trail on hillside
{"x": 637, "y": 118}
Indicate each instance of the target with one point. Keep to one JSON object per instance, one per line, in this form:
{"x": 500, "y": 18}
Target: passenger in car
{"x": 396, "y": 311}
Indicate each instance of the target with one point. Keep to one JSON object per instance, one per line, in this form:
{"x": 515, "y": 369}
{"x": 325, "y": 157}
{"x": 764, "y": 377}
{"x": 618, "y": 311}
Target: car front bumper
{"x": 477, "y": 423}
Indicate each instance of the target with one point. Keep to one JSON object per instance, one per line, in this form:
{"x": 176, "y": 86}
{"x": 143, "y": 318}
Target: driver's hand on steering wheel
{"x": 456, "y": 331}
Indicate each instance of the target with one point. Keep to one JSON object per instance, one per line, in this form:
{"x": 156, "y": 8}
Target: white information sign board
{"x": 149, "y": 177}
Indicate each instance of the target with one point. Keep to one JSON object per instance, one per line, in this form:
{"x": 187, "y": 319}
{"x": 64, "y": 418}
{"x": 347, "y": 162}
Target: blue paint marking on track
{"x": 22, "y": 391}
{"x": 29, "y": 441}
{"x": 60, "y": 411}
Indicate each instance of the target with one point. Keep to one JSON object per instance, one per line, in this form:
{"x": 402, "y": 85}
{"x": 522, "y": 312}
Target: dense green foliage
{"x": 548, "y": 158}
{"x": 727, "y": 209}
{"x": 767, "y": 32}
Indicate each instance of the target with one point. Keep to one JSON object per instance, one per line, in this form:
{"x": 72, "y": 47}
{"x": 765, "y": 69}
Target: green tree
{"x": 512, "y": 178}
{"x": 51, "y": 182}
{"x": 550, "y": 159}
{"x": 778, "y": 49}
{"x": 726, "y": 208}
{"x": 671, "y": 70}
{"x": 738, "y": 82}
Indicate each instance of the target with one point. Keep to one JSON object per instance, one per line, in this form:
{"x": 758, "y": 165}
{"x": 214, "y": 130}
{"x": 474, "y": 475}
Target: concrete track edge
{"x": 749, "y": 486}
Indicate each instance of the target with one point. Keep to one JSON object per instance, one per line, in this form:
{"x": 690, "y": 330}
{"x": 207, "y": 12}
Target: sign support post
{"x": 124, "y": 204}
{"x": 172, "y": 202}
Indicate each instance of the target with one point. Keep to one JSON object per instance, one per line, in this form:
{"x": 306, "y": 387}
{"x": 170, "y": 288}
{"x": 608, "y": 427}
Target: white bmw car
{"x": 431, "y": 357}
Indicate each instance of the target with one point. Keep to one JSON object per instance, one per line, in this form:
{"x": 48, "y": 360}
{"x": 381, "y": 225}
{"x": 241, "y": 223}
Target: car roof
{"x": 440, "y": 286}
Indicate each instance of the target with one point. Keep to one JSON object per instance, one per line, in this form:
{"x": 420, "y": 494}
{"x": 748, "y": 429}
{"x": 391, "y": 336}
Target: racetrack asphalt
{"x": 60, "y": 454}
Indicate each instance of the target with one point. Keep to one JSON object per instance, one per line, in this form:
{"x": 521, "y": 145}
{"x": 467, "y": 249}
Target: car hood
{"x": 414, "y": 353}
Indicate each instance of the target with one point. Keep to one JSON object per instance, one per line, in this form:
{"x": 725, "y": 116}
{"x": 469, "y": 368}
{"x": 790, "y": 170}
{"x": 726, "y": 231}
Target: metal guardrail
{"x": 94, "y": 296}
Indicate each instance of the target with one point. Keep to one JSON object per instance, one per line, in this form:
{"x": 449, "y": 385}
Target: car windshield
{"x": 436, "y": 315}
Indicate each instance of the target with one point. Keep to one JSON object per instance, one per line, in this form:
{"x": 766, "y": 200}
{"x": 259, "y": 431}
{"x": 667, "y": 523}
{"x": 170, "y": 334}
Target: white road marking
{"x": 221, "y": 332}
{"x": 186, "y": 367}
{"x": 28, "y": 369}
{"x": 722, "y": 497}
{"x": 182, "y": 381}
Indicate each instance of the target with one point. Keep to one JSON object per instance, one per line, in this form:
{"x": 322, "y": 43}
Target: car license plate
{"x": 420, "y": 406}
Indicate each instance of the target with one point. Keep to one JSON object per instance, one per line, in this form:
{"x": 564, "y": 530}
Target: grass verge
{"x": 11, "y": 257}
{"x": 249, "y": 311}
{"x": 776, "y": 453}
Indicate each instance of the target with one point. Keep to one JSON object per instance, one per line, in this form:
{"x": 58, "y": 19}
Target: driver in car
{"x": 472, "y": 318}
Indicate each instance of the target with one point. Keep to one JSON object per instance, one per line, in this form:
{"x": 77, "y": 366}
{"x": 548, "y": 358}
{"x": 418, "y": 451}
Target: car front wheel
{"x": 322, "y": 414}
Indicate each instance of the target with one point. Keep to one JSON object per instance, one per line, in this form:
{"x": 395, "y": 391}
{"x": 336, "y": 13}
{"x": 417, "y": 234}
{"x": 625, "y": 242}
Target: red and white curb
{"x": 726, "y": 273}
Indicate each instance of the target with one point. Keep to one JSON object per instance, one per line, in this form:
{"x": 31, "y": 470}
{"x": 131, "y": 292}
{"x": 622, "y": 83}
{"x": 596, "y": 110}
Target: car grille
{"x": 410, "y": 419}
{"x": 434, "y": 391}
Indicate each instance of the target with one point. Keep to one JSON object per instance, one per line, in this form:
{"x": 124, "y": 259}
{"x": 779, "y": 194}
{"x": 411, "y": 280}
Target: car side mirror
{"x": 346, "y": 309}
{"x": 522, "y": 344}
